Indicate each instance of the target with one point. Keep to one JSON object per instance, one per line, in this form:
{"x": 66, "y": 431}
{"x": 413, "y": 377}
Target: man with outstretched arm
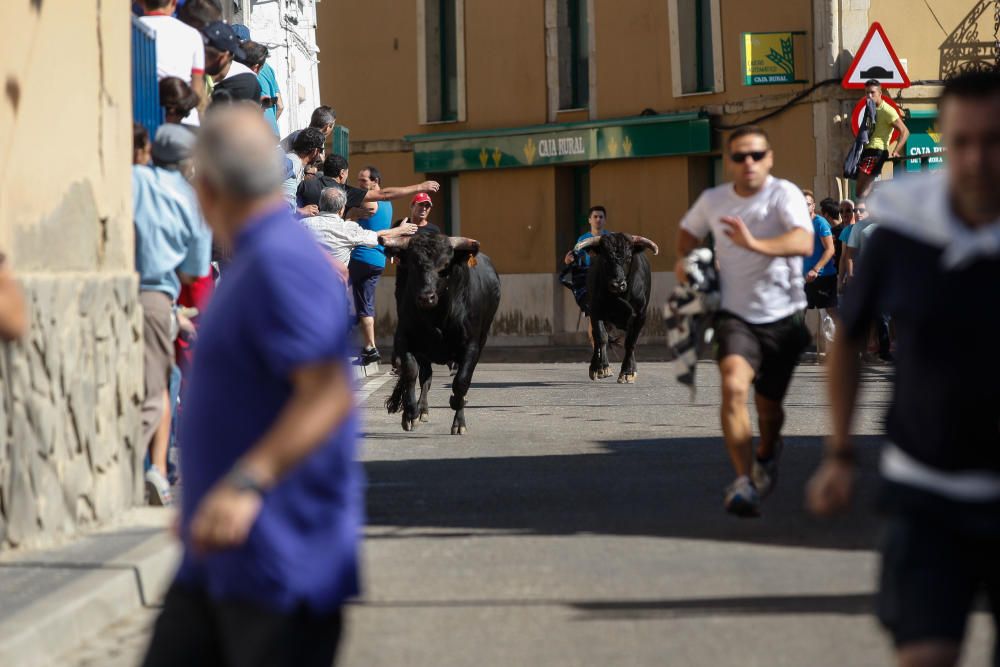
{"x": 933, "y": 264}
{"x": 762, "y": 230}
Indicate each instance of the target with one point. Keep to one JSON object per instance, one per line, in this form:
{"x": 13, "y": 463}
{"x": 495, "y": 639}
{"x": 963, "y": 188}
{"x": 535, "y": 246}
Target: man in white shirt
{"x": 762, "y": 229}
{"x": 180, "y": 50}
{"x": 339, "y": 237}
{"x": 233, "y": 80}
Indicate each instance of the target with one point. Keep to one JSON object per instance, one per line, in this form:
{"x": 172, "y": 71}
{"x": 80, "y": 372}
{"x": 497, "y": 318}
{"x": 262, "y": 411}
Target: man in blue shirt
{"x": 172, "y": 244}
{"x": 272, "y": 495}
{"x": 820, "y": 269}
{"x": 367, "y": 264}
{"x": 580, "y": 261}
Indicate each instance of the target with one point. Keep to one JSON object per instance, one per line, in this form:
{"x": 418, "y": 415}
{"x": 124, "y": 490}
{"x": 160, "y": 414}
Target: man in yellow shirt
{"x": 876, "y": 151}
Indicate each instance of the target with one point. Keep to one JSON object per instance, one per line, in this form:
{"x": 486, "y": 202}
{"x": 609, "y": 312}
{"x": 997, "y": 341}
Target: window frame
{"x": 422, "y": 74}
{"x": 718, "y": 80}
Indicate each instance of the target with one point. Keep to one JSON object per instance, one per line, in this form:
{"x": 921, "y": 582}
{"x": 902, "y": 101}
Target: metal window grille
{"x": 146, "y": 107}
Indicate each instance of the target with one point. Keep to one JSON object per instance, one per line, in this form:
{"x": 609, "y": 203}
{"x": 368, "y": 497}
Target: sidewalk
{"x": 55, "y": 599}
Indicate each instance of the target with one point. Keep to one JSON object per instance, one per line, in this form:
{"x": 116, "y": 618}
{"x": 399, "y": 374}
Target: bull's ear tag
{"x": 472, "y": 261}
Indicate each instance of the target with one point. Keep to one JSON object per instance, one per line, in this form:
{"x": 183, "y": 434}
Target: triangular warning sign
{"x": 876, "y": 60}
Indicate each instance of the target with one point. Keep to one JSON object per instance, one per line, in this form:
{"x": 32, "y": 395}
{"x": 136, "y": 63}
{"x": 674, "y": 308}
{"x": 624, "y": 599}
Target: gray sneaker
{"x": 158, "y": 488}
{"x": 765, "y": 472}
{"x": 742, "y": 498}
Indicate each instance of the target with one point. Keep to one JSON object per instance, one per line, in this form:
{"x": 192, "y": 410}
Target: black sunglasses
{"x": 756, "y": 156}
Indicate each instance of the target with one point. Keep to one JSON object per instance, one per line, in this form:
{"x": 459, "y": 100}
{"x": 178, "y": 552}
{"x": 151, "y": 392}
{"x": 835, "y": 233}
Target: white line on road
{"x": 371, "y": 387}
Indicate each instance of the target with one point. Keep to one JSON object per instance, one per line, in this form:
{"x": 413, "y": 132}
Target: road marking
{"x": 372, "y": 386}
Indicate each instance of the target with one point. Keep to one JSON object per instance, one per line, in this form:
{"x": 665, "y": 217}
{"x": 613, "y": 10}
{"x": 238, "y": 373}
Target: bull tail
{"x": 395, "y": 401}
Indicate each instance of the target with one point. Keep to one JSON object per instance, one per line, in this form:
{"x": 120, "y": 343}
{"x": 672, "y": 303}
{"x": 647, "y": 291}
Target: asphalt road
{"x": 581, "y": 523}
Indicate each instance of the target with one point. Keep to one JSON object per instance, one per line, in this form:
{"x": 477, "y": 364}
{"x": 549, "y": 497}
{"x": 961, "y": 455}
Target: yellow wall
{"x": 512, "y": 213}
{"x": 66, "y": 136}
{"x": 915, "y": 34}
{"x": 633, "y": 53}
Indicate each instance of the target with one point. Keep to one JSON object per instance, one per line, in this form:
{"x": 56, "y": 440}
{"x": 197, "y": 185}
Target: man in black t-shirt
{"x": 933, "y": 265}
{"x": 335, "y": 172}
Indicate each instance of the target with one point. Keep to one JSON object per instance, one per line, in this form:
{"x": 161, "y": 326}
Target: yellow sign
{"x": 768, "y": 58}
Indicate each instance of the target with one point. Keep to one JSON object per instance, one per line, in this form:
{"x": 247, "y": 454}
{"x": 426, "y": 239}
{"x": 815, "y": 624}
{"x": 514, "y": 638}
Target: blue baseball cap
{"x": 241, "y": 31}
{"x": 219, "y": 35}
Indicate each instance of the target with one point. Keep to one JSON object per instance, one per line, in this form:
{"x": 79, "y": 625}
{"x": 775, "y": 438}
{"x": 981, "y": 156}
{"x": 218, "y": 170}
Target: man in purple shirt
{"x": 272, "y": 495}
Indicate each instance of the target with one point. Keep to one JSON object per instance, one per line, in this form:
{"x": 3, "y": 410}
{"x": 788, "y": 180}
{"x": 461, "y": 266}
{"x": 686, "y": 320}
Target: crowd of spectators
{"x": 205, "y": 64}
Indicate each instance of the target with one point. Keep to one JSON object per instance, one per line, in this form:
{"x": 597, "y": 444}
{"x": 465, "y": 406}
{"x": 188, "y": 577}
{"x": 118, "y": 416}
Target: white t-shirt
{"x": 180, "y": 52}
{"x": 757, "y": 288}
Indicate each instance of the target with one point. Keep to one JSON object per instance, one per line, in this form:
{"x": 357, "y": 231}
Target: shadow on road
{"x": 667, "y": 487}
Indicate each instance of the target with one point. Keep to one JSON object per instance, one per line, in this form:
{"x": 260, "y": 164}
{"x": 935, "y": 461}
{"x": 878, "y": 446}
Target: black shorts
{"x": 872, "y": 160}
{"x": 364, "y": 277}
{"x": 822, "y": 292}
{"x": 771, "y": 349}
{"x": 194, "y": 630}
{"x": 934, "y": 568}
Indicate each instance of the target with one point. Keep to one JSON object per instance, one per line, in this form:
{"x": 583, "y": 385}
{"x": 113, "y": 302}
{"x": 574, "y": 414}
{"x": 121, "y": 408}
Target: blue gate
{"x": 146, "y": 107}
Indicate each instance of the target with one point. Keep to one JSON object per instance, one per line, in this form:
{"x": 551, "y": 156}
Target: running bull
{"x": 618, "y": 287}
{"x": 447, "y": 294}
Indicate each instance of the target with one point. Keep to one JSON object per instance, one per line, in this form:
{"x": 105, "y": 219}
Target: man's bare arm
{"x": 904, "y": 134}
{"x": 385, "y": 194}
{"x": 686, "y": 242}
{"x": 198, "y": 86}
{"x": 796, "y": 242}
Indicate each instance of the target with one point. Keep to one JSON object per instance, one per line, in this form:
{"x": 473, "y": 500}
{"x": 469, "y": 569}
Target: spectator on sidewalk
{"x": 336, "y": 172}
{"x": 256, "y": 60}
{"x": 233, "y": 81}
{"x": 177, "y": 99}
{"x": 323, "y": 119}
{"x": 13, "y": 313}
{"x": 876, "y": 151}
{"x": 819, "y": 268}
{"x": 180, "y": 51}
{"x": 848, "y": 220}
{"x": 307, "y": 148}
{"x": 367, "y": 265}
{"x": 172, "y": 245}
{"x": 272, "y": 495}
{"x": 420, "y": 215}
{"x": 339, "y": 237}
{"x": 142, "y": 148}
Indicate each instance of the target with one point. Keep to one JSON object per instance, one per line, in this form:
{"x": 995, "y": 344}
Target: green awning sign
{"x": 925, "y": 139}
{"x": 567, "y": 143}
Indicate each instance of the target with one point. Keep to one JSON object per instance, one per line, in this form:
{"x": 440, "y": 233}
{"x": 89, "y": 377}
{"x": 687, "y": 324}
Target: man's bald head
{"x": 236, "y": 154}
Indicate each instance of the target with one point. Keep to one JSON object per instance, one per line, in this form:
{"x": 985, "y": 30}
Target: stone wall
{"x": 69, "y": 415}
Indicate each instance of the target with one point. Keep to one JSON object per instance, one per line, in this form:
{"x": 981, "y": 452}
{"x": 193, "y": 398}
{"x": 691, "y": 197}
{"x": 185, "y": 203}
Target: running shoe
{"x": 765, "y": 471}
{"x": 742, "y": 498}
{"x": 370, "y": 356}
{"x": 158, "y": 488}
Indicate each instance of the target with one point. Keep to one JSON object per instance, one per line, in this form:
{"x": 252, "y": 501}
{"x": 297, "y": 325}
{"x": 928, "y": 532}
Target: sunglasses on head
{"x": 756, "y": 156}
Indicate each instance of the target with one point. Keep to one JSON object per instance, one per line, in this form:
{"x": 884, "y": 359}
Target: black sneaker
{"x": 370, "y": 356}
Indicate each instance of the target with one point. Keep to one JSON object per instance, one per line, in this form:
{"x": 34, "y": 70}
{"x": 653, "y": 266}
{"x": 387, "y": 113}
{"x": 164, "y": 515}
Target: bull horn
{"x": 464, "y": 244}
{"x": 587, "y": 244}
{"x": 396, "y": 242}
{"x": 641, "y": 242}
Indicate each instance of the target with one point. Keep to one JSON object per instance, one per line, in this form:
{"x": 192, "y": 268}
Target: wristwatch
{"x": 241, "y": 480}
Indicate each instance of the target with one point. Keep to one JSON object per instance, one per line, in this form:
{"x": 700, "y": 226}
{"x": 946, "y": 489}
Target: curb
{"x": 65, "y": 619}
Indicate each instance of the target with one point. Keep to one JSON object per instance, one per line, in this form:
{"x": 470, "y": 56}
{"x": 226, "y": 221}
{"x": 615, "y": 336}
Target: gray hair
{"x": 236, "y": 152}
{"x": 845, "y": 202}
{"x": 333, "y": 199}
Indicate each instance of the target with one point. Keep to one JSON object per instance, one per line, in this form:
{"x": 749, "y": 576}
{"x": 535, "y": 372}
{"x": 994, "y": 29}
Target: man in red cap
{"x": 420, "y": 212}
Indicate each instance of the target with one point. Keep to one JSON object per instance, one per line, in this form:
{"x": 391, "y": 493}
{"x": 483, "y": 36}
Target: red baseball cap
{"x": 420, "y": 198}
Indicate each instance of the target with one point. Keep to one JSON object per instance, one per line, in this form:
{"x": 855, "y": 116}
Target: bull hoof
{"x": 626, "y": 378}
{"x": 605, "y": 372}
{"x": 409, "y": 424}
{"x": 459, "y": 430}
{"x": 425, "y": 417}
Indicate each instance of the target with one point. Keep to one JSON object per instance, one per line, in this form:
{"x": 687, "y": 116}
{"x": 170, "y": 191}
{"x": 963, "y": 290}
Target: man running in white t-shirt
{"x": 762, "y": 229}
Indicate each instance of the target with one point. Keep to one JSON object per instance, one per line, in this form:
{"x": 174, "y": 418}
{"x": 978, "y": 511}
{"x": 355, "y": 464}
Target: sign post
{"x": 876, "y": 60}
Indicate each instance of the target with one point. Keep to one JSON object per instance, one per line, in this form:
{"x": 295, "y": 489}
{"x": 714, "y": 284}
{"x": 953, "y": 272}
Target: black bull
{"x": 446, "y": 296}
{"x": 618, "y": 287}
